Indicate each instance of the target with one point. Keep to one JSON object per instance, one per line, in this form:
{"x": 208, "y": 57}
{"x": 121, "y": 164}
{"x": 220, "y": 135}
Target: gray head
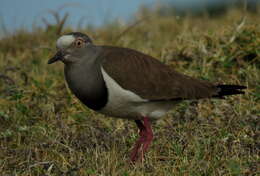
{"x": 71, "y": 47}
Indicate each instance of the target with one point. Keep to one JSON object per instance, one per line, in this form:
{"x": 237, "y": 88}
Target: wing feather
{"x": 151, "y": 79}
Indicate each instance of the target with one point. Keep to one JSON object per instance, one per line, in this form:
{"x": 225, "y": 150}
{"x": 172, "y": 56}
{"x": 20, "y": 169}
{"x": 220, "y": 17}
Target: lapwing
{"x": 125, "y": 83}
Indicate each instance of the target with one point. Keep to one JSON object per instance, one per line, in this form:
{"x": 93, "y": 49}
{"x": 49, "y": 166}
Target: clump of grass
{"x": 44, "y": 130}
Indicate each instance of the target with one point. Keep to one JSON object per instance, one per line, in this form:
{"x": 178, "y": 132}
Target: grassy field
{"x": 44, "y": 130}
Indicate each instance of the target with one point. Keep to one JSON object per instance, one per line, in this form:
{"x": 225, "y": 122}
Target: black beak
{"x": 58, "y": 56}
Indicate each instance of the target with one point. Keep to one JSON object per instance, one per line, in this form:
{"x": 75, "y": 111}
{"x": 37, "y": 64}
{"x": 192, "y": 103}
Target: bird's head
{"x": 70, "y": 47}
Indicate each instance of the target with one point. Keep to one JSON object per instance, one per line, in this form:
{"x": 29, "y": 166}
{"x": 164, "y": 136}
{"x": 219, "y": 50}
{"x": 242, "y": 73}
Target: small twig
{"x": 237, "y": 30}
{"x": 55, "y": 15}
{"x": 61, "y": 23}
{"x": 47, "y": 24}
{"x": 40, "y": 163}
{"x": 129, "y": 28}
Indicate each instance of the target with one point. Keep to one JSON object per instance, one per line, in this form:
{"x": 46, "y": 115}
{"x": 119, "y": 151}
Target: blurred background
{"x": 28, "y": 14}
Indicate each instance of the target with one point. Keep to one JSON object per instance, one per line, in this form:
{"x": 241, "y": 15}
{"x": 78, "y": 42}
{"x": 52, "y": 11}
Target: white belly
{"x": 123, "y": 103}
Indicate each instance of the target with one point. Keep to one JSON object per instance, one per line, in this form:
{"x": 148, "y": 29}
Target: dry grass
{"x": 44, "y": 130}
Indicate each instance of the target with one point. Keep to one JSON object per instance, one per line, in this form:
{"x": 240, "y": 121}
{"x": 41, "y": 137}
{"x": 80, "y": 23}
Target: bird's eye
{"x": 79, "y": 43}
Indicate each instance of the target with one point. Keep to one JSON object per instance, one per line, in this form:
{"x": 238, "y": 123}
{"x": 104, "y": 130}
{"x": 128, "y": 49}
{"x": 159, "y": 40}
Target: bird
{"x": 125, "y": 83}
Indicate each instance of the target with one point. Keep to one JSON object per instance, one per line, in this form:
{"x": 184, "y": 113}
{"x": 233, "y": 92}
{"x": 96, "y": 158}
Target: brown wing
{"x": 151, "y": 79}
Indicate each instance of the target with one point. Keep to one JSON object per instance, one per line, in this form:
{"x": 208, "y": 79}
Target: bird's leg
{"x": 138, "y": 144}
{"x": 149, "y": 134}
{"x": 143, "y": 143}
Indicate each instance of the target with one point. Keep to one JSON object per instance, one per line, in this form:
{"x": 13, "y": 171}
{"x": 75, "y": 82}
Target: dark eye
{"x": 79, "y": 43}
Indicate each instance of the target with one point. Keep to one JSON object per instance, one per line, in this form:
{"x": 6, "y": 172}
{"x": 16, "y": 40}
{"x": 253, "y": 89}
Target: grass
{"x": 44, "y": 130}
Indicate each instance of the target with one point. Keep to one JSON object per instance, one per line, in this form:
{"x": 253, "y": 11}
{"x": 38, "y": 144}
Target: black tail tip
{"x": 230, "y": 87}
{"x": 225, "y": 90}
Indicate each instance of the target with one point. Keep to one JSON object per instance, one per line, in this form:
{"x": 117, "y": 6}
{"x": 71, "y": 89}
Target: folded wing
{"x": 151, "y": 79}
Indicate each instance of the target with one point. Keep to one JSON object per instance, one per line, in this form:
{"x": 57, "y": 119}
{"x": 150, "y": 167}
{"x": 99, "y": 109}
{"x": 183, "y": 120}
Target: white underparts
{"x": 126, "y": 104}
{"x": 64, "y": 41}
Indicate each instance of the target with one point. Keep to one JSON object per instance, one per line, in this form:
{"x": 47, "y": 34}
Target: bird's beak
{"x": 58, "y": 56}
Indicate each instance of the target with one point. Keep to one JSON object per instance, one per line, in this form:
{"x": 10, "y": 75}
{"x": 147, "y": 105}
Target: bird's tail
{"x": 225, "y": 90}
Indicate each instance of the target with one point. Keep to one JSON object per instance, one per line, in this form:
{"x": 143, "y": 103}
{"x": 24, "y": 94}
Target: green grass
{"x": 44, "y": 130}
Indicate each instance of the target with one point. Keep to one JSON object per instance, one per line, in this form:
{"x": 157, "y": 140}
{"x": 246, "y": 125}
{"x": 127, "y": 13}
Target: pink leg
{"x": 143, "y": 143}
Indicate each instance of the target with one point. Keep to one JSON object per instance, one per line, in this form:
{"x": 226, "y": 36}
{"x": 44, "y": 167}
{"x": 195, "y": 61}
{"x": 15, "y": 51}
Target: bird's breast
{"x": 88, "y": 86}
